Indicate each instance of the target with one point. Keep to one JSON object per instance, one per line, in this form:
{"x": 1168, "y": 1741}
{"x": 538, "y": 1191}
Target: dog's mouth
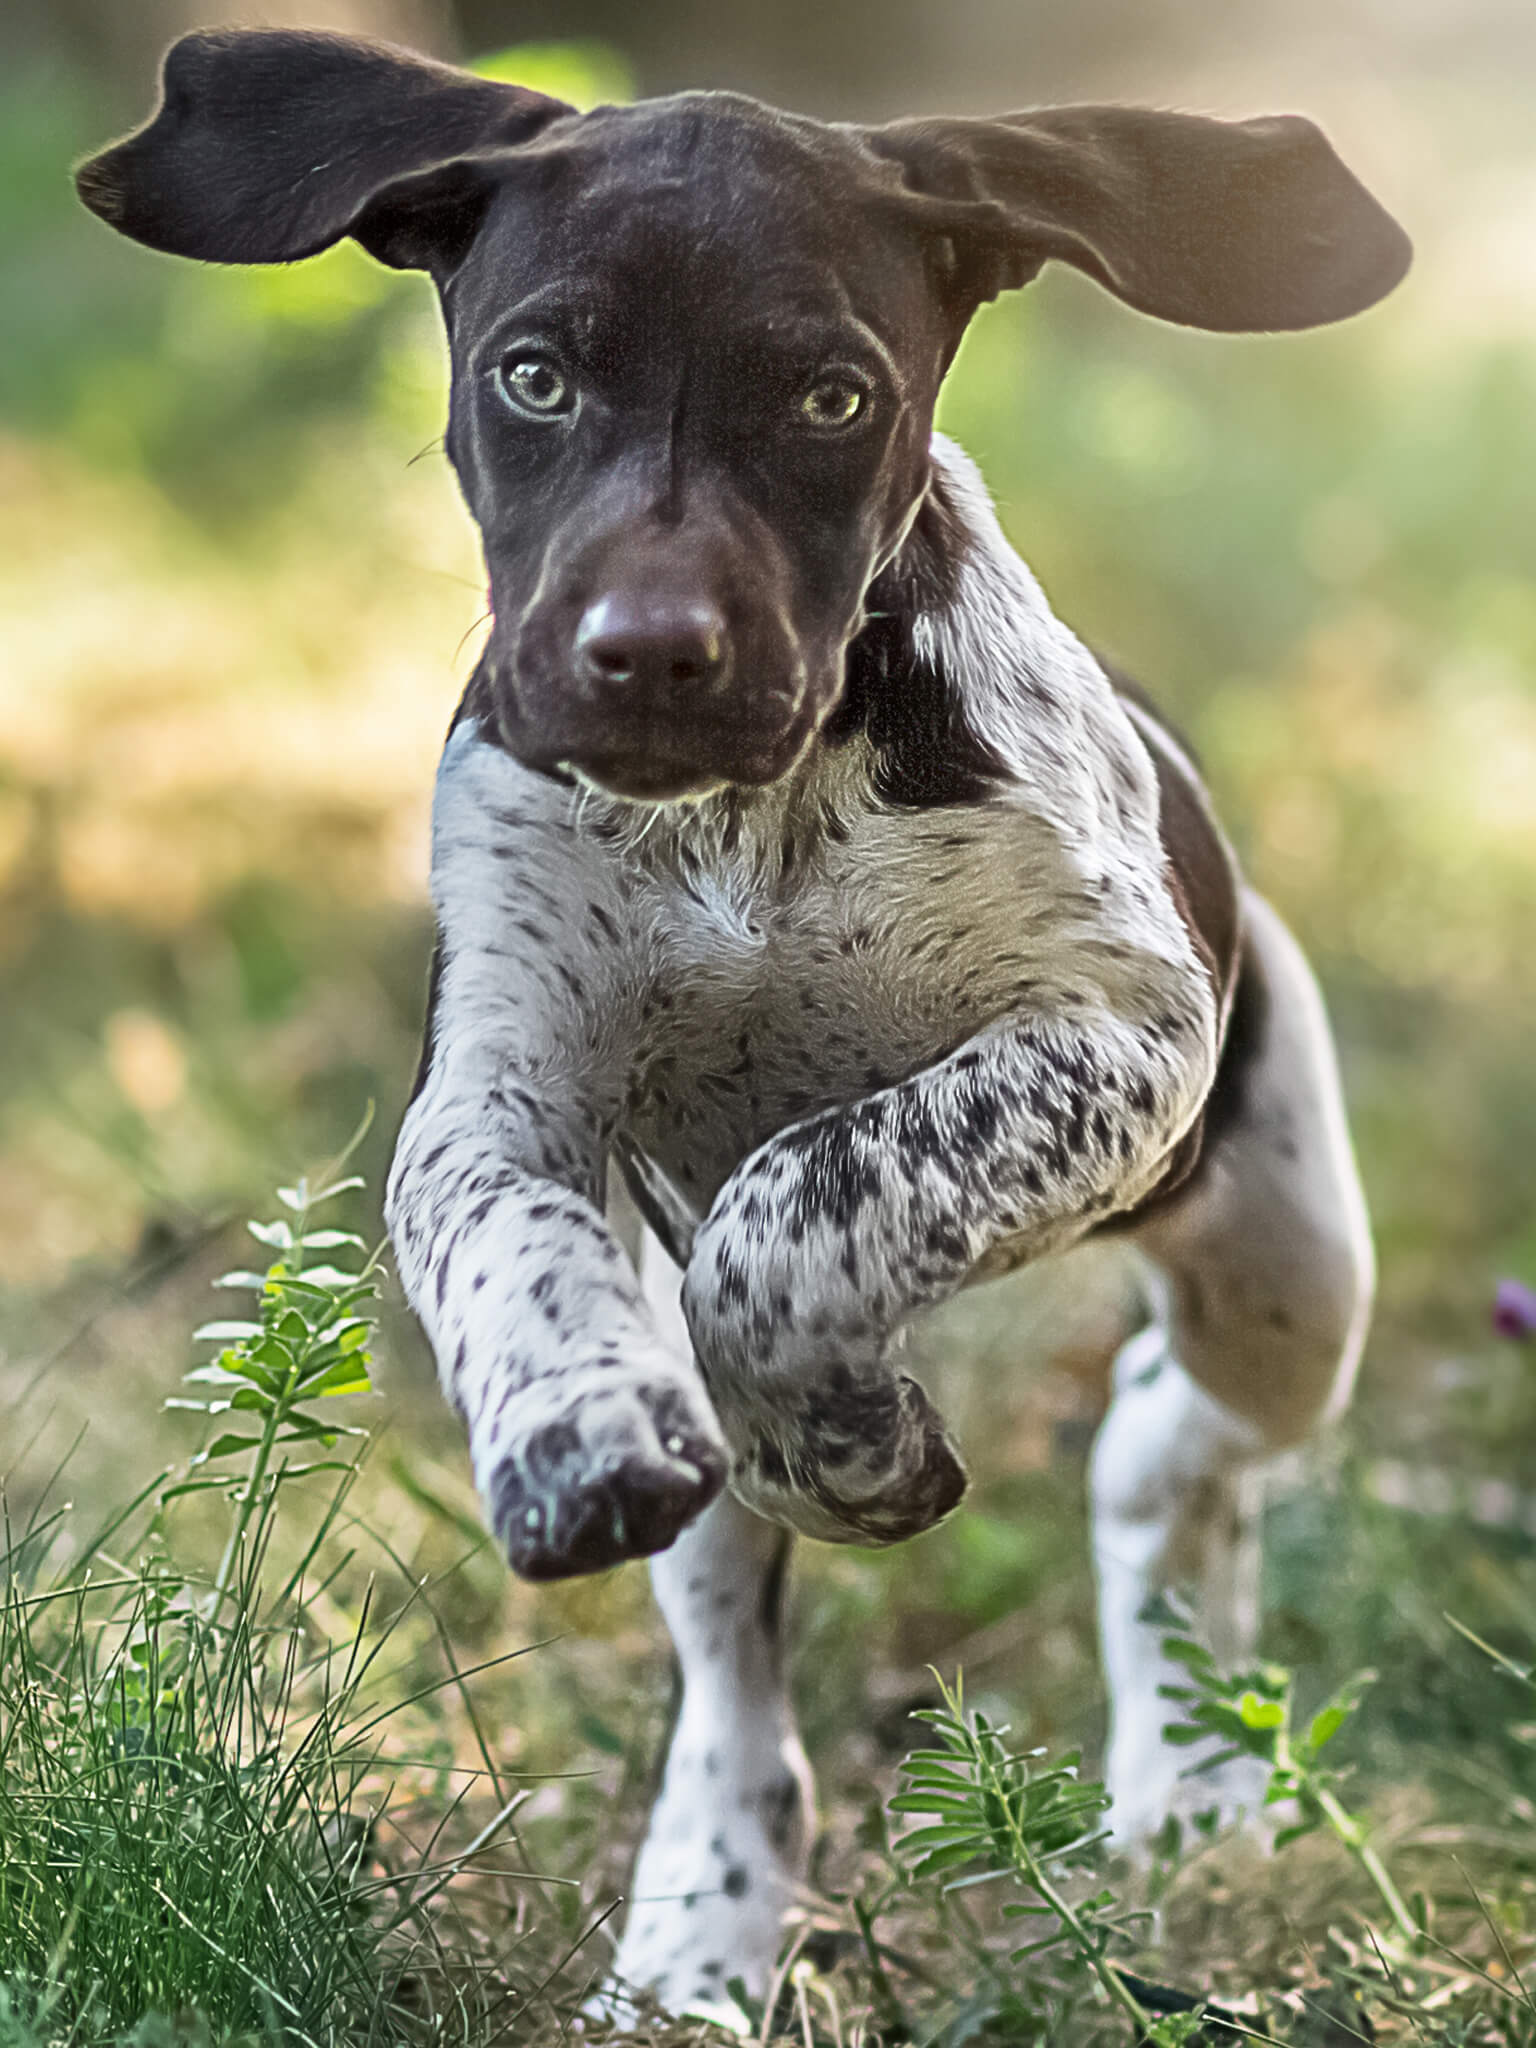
{"x": 652, "y": 779}
{"x": 665, "y": 760}
{"x": 644, "y": 782}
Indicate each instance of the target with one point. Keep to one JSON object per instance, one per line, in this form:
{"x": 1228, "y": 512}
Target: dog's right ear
{"x": 269, "y": 145}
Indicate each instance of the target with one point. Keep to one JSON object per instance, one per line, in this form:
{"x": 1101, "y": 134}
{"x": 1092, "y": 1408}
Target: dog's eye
{"x": 534, "y": 384}
{"x": 833, "y": 402}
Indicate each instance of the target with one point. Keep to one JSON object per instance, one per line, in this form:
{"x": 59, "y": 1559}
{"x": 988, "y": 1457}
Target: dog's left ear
{"x": 1237, "y": 226}
{"x": 269, "y": 145}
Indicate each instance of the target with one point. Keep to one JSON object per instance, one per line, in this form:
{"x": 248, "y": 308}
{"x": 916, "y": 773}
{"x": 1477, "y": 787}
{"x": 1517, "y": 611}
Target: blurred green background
{"x": 238, "y": 597}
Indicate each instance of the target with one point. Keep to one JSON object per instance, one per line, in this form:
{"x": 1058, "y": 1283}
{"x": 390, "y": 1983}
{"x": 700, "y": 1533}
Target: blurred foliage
{"x": 237, "y": 609}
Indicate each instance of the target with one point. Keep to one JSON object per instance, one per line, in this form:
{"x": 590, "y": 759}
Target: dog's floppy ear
{"x": 1238, "y": 226}
{"x": 269, "y": 145}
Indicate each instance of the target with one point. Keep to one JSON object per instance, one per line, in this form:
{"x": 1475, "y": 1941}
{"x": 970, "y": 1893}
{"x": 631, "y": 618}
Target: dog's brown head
{"x": 697, "y": 343}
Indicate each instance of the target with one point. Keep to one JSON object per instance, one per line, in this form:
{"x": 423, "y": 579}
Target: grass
{"x": 199, "y": 1776}
{"x": 235, "y": 1806}
{"x": 993, "y": 1814}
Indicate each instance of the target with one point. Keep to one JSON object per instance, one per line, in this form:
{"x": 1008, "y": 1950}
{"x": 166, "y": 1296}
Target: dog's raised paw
{"x": 618, "y": 1472}
{"x": 859, "y": 1459}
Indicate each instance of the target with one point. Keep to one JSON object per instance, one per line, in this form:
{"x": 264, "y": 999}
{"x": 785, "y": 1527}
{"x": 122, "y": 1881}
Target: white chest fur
{"x": 719, "y": 970}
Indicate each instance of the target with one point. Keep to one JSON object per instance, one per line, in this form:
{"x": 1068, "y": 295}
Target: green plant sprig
{"x": 1251, "y": 1712}
{"x": 309, "y": 1341}
{"x": 1030, "y": 1821}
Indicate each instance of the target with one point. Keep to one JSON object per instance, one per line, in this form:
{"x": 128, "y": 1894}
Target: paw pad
{"x": 616, "y": 1478}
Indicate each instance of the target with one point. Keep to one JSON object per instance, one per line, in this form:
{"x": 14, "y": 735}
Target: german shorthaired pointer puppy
{"x": 791, "y": 855}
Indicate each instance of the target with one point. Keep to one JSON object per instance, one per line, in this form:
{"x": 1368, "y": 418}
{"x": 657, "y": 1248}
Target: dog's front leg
{"x": 830, "y": 1235}
{"x": 591, "y": 1436}
{"x": 592, "y": 1440}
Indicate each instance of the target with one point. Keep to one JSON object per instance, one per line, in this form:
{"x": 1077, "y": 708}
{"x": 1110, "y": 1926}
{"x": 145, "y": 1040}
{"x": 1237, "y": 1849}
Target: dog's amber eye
{"x": 534, "y": 384}
{"x": 833, "y": 402}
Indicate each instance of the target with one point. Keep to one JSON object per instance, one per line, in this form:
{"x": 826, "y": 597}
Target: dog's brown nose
{"x": 638, "y": 642}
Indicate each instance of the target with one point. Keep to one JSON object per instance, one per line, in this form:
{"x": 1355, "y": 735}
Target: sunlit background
{"x": 238, "y": 598}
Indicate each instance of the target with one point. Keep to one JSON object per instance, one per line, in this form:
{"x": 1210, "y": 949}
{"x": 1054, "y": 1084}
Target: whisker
{"x": 473, "y": 627}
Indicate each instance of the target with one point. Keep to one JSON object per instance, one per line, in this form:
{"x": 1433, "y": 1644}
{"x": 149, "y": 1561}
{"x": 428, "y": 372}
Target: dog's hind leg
{"x": 1261, "y": 1278}
{"x": 730, "y": 1834}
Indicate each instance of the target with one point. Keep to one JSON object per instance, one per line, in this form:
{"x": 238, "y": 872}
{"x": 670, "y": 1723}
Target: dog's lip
{"x": 643, "y": 783}
{"x": 643, "y": 772}
{"x": 649, "y": 779}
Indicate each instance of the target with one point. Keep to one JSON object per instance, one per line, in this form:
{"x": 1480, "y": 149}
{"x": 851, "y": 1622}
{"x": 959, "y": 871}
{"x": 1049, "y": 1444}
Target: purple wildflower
{"x": 1514, "y": 1310}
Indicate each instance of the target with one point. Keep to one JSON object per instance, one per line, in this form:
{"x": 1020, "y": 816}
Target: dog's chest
{"x": 769, "y": 999}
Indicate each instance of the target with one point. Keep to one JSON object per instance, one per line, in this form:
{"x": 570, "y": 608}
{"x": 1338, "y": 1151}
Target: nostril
{"x": 613, "y": 664}
{"x": 624, "y": 640}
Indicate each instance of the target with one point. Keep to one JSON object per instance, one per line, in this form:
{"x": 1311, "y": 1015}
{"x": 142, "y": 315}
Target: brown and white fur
{"x": 791, "y": 857}
{"x": 731, "y": 976}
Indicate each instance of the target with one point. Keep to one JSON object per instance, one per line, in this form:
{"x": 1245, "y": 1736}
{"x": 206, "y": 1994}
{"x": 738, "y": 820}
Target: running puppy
{"x": 790, "y": 854}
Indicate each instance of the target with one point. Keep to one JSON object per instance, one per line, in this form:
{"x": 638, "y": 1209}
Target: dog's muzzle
{"x": 655, "y": 702}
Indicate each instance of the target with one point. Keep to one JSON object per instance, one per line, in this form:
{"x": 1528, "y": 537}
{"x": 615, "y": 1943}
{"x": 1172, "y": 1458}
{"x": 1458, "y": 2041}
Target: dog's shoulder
{"x": 1027, "y": 712}
{"x": 998, "y": 703}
